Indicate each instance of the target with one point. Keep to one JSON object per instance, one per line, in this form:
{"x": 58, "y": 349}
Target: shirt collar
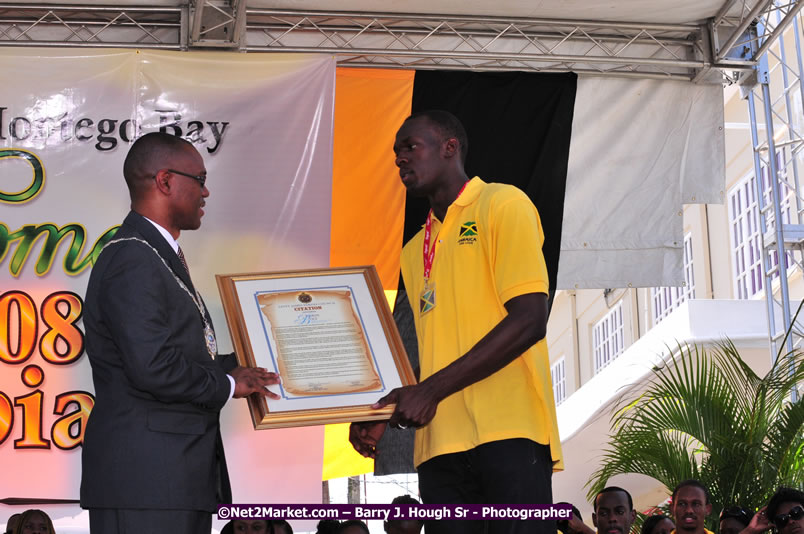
{"x": 470, "y": 194}
{"x": 169, "y": 238}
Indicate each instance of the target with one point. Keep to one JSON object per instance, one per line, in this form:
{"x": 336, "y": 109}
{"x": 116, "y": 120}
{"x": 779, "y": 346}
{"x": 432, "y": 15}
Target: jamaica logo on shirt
{"x": 468, "y": 233}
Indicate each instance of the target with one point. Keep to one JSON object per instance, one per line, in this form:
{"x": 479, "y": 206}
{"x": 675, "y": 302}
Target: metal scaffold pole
{"x": 776, "y": 173}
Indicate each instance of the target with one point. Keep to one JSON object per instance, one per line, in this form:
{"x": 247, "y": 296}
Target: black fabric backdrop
{"x": 519, "y": 126}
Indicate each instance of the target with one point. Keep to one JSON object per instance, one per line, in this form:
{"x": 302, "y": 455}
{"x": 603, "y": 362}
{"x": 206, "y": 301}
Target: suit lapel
{"x": 155, "y": 239}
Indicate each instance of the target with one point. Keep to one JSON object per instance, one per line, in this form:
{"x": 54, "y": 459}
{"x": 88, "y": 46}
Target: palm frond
{"x": 707, "y": 415}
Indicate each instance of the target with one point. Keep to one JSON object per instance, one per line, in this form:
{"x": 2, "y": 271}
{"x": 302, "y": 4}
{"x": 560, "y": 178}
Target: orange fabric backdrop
{"x": 368, "y": 202}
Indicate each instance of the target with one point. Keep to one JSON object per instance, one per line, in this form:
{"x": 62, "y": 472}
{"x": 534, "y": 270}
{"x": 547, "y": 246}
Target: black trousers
{"x": 127, "y": 521}
{"x": 511, "y": 471}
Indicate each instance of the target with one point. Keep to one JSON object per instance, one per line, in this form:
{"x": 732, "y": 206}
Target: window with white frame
{"x": 608, "y": 338}
{"x": 744, "y": 224}
{"x": 559, "y": 381}
{"x": 666, "y": 299}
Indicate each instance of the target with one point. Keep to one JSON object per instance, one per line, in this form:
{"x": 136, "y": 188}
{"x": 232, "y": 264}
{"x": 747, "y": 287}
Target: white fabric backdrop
{"x": 639, "y": 150}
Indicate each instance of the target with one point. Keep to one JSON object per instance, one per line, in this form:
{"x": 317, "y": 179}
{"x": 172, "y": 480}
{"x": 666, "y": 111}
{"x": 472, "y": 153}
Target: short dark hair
{"x": 783, "y": 495}
{"x": 404, "y": 499}
{"x": 611, "y": 489}
{"x": 147, "y": 156}
{"x": 327, "y": 526}
{"x": 690, "y": 482}
{"x": 353, "y": 523}
{"x": 449, "y": 126}
{"x": 738, "y": 513}
{"x": 563, "y": 524}
{"x": 650, "y": 523}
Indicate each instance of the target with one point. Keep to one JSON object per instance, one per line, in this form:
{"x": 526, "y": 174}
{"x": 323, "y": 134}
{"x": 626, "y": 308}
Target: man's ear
{"x": 594, "y": 519}
{"x": 162, "y": 179}
{"x": 451, "y": 147}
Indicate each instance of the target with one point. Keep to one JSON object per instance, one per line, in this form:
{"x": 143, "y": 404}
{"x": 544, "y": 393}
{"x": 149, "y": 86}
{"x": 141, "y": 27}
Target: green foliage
{"x": 711, "y": 418}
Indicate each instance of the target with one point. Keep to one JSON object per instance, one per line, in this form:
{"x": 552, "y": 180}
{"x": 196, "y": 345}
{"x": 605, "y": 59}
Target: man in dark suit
{"x": 153, "y": 459}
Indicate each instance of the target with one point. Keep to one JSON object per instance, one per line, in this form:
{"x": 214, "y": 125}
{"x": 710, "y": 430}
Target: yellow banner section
{"x": 370, "y": 105}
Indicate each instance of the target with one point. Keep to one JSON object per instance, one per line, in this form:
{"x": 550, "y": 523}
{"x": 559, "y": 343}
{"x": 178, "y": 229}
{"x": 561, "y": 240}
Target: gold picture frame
{"x": 330, "y": 335}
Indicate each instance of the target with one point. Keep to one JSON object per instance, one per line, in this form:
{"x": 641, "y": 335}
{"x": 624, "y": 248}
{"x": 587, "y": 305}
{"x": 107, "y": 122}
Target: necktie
{"x": 183, "y": 261}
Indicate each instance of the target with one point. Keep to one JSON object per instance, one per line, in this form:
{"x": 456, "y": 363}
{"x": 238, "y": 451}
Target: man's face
{"x": 258, "y": 526}
{"x": 187, "y": 195}
{"x": 790, "y": 509}
{"x": 690, "y": 509}
{"x": 612, "y": 514}
{"x": 418, "y": 148}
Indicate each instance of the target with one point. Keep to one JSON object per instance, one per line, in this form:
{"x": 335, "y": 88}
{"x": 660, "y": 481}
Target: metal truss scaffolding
{"x": 409, "y": 40}
{"x": 92, "y": 26}
{"x": 774, "y": 91}
{"x": 482, "y": 43}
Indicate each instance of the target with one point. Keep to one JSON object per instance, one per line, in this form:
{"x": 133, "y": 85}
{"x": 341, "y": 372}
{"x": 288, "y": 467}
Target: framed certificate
{"x": 328, "y": 333}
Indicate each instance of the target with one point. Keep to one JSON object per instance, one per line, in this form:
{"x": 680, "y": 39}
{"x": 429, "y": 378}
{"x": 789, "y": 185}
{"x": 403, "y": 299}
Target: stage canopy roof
{"x": 684, "y": 39}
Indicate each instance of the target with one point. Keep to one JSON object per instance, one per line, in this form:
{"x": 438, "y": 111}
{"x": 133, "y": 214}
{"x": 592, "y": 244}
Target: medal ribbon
{"x": 428, "y": 252}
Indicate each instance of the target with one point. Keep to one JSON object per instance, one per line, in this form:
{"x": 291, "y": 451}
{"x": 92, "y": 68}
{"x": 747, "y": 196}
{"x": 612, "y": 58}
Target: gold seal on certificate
{"x": 320, "y": 344}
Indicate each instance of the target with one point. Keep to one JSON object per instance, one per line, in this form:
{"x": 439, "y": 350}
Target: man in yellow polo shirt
{"x": 690, "y": 505}
{"x": 477, "y": 282}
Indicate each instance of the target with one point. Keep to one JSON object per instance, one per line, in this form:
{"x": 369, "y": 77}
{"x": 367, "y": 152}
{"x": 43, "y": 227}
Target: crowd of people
{"x": 327, "y": 526}
{"x": 689, "y": 507}
{"x": 613, "y": 507}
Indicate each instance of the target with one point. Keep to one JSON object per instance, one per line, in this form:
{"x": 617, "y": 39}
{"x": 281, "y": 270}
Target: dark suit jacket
{"x": 153, "y": 438}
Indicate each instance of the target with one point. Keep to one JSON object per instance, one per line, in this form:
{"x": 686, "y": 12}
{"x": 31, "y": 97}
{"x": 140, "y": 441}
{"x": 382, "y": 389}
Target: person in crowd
{"x": 477, "y": 283}
{"x": 353, "y": 526}
{"x": 34, "y": 522}
{"x": 734, "y": 519}
{"x": 152, "y": 458}
{"x": 613, "y": 511}
{"x": 327, "y": 526}
{"x": 657, "y": 524}
{"x": 786, "y": 511}
{"x": 403, "y": 526}
{"x": 575, "y": 524}
{"x": 247, "y": 526}
{"x": 12, "y": 523}
{"x": 280, "y": 526}
{"x": 690, "y": 506}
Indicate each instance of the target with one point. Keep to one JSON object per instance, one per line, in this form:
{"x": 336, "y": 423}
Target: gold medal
{"x": 427, "y": 298}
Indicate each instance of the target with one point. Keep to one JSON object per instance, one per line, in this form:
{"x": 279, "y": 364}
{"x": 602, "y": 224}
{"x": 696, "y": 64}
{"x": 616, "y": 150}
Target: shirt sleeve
{"x": 517, "y": 239}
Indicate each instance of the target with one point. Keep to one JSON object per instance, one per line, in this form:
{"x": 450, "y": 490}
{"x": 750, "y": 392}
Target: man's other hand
{"x": 365, "y": 436}
{"x": 415, "y": 405}
{"x": 250, "y": 380}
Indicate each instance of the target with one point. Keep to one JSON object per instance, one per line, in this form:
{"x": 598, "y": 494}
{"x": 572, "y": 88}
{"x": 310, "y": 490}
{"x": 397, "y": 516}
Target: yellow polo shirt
{"x": 488, "y": 250}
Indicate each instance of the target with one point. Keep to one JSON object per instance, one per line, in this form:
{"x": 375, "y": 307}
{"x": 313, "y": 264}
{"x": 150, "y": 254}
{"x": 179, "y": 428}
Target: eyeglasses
{"x": 201, "y": 178}
{"x": 737, "y": 512}
{"x": 795, "y": 513}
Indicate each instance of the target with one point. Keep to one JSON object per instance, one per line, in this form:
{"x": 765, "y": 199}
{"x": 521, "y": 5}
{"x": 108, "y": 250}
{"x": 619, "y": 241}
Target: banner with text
{"x": 263, "y": 124}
